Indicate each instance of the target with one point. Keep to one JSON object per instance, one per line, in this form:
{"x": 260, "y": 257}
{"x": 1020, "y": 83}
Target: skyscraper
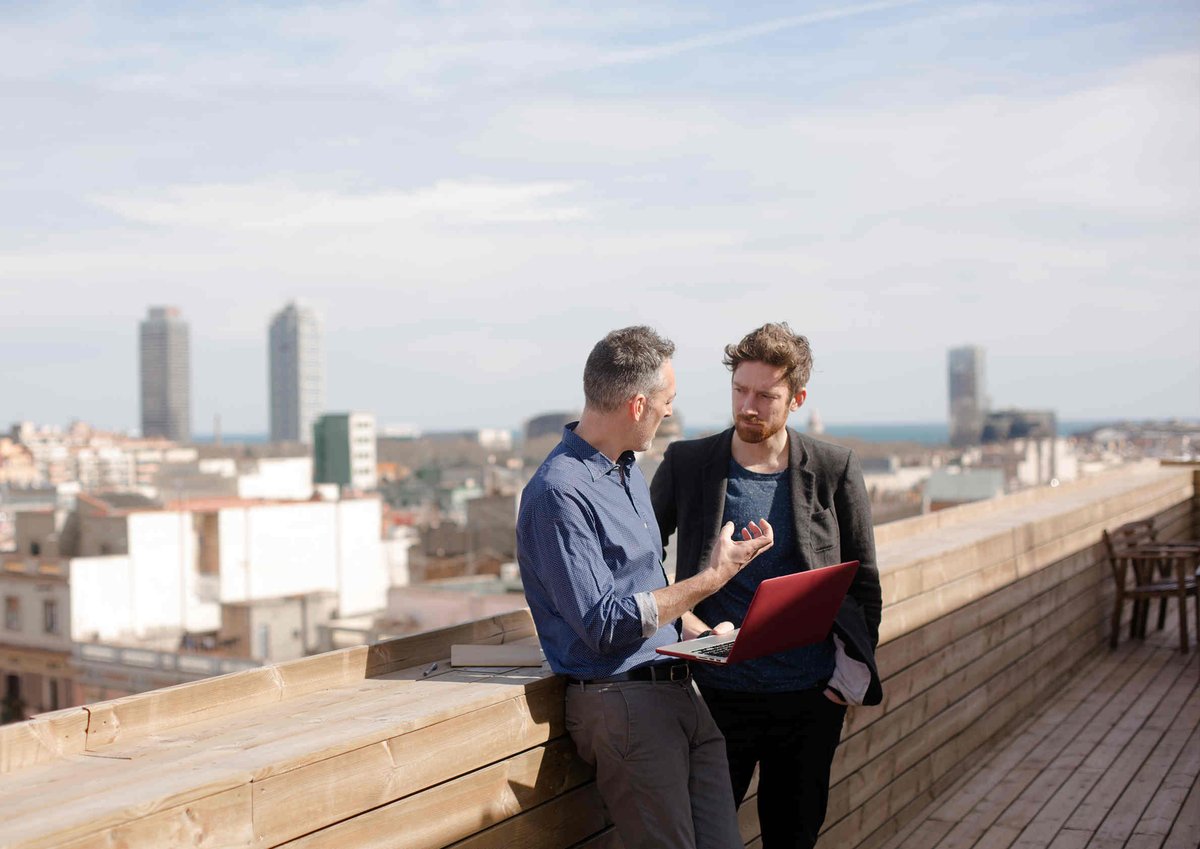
{"x": 297, "y": 373}
{"x": 968, "y": 403}
{"x": 165, "y": 375}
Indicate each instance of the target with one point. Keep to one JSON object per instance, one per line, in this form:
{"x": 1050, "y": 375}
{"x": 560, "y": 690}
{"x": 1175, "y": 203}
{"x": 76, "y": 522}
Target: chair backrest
{"x": 1132, "y": 535}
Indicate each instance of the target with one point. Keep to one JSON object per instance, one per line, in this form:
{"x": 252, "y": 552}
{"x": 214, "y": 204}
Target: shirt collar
{"x": 597, "y": 464}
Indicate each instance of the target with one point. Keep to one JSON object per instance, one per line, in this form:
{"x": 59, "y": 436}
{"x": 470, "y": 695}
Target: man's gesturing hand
{"x": 729, "y": 555}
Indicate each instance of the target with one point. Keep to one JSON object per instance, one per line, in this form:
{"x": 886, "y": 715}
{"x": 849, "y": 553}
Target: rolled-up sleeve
{"x": 563, "y": 546}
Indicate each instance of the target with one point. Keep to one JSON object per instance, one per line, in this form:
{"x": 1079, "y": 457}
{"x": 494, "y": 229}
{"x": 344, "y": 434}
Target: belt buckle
{"x": 679, "y": 672}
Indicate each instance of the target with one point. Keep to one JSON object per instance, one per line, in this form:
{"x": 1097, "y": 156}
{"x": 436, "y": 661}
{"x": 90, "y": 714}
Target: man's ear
{"x": 637, "y": 407}
{"x": 798, "y": 399}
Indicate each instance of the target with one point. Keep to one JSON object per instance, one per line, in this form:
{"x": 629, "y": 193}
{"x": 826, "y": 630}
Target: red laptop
{"x": 786, "y": 612}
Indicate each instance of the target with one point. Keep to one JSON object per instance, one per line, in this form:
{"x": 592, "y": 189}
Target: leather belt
{"x": 657, "y": 673}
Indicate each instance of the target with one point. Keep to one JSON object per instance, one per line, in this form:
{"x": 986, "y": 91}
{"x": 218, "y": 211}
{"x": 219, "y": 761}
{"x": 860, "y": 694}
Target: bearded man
{"x": 783, "y": 713}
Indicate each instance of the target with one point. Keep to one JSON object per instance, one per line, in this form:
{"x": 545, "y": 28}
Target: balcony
{"x": 1007, "y": 721}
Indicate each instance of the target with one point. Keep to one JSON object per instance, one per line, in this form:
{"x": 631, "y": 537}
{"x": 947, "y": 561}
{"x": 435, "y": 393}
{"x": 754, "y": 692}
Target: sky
{"x": 472, "y": 194}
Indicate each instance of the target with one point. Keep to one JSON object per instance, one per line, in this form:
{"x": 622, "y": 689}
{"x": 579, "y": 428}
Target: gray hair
{"x": 625, "y": 363}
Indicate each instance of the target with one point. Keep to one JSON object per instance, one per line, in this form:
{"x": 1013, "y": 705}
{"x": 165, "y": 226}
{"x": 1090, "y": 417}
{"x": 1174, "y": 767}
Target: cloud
{"x": 737, "y": 34}
{"x": 277, "y": 206}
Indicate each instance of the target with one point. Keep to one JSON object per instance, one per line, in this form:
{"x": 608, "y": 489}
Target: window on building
{"x": 35, "y": 548}
{"x": 12, "y": 613}
{"x": 50, "y": 616}
{"x": 54, "y": 699}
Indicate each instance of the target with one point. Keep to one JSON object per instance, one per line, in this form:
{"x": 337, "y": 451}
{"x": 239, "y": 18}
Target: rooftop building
{"x": 967, "y": 391}
{"x": 166, "y": 375}
{"x": 297, "y": 372}
{"x": 344, "y": 450}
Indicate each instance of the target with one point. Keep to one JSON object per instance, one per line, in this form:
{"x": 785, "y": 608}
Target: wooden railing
{"x": 987, "y": 610}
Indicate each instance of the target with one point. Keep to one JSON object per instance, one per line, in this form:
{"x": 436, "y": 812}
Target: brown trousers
{"x": 660, "y": 763}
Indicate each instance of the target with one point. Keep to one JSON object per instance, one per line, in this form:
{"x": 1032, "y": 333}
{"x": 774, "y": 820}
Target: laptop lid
{"x": 785, "y": 613}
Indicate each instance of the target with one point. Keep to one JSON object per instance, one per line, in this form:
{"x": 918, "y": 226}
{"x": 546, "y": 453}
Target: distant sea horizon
{"x": 921, "y": 433}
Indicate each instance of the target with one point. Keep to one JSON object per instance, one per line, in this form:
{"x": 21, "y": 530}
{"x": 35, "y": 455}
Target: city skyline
{"x": 472, "y": 196}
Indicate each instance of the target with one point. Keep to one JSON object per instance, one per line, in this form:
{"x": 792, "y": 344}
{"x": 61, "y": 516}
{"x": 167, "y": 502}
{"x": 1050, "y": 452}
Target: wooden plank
{"x": 1004, "y": 536}
{"x": 1119, "y": 756}
{"x": 1161, "y": 813}
{"x": 1168, "y": 730}
{"x": 1048, "y": 778}
{"x": 996, "y": 837}
{"x": 1185, "y": 831}
{"x": 145, "y": 713}
{"x": 347, "y": 784}
{"x": 1065, "y": 799}
{"x": 458, "y": 809}
{"x": 926, "y": 835}
{"x": 322, "y": 671}
{"x": 433, "y": 646}
{"x": 917, "y": 610}
{"x": 110, "y": 809}
{"x": 1147, "y": 841}
{"x": 221, "y": 821}
{"x": 43, "y": 739}
{"x": 1069, "y": 839}
{"x": 575, "y": 817}
{"x": 238, "y": 753}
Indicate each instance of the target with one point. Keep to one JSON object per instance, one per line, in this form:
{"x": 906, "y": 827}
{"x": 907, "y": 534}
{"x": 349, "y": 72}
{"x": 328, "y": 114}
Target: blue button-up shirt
{"x": 589, "y": 551}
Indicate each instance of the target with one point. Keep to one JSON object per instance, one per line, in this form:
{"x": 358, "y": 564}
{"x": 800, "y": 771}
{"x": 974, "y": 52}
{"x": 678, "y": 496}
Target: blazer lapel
{"x": 803, "y": 493}
{"x": 714, "y": 482}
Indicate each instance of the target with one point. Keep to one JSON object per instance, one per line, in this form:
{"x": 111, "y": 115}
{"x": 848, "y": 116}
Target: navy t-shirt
{"x": 750, "y": 496}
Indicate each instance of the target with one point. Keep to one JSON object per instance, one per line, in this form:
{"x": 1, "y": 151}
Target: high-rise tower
{"x": 297, "y": 373}
{"x": 968, "y": 401}
{"x": 165, "y": 375}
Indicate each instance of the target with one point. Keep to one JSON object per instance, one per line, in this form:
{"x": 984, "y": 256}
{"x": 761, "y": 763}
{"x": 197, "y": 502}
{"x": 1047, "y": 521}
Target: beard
{"x": 755, "y": 431}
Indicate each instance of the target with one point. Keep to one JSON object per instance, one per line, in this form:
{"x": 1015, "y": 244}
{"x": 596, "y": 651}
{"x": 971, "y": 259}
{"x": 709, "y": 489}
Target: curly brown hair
{"x": 776, "y": 345}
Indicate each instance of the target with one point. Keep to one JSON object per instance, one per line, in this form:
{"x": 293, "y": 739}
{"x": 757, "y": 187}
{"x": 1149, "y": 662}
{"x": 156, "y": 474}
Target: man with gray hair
{"x": 590, "y": 557}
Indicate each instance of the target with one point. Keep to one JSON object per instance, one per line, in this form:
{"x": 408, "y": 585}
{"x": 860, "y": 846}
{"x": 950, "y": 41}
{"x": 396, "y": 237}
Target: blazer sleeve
{"x": 662, "y": 496}
{"x": 858, "y": 543}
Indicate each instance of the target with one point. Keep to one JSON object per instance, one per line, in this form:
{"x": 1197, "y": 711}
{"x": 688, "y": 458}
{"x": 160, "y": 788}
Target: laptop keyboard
{"x": 721, "y": 650}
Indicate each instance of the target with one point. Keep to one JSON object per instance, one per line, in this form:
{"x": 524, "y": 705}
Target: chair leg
{"x": 1183, "y": 629}
{"x": 1162, "y": 613}
{"x": 1198, "y": 620}
{"x": 1118, "y": 603}
{"x": 1141, "y": 610}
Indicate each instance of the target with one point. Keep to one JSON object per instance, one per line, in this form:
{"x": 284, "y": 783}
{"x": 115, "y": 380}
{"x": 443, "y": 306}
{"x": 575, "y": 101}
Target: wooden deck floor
{"x": 1114, "y": 763}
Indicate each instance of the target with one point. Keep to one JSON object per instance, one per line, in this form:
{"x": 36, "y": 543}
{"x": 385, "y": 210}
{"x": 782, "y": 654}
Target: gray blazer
{"x": 832, "y": 514}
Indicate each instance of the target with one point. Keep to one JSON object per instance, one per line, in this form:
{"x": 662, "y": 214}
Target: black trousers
{"x": 792, "y": 738}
